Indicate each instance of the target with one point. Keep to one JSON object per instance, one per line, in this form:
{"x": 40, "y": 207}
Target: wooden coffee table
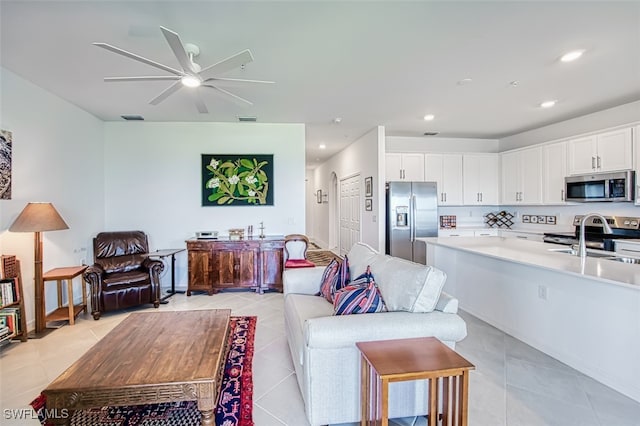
{"x": 150, "y": 357}
{"x": 387, "y": 361}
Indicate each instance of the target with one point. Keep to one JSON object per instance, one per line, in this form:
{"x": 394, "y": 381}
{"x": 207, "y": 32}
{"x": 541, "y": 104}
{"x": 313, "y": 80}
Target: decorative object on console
{"x": 236, "y": 233}
{"x": 37, "y": 218}
{"x": 502, "y": 219}
{"x": 237, "y": 180}
{"x": 6, "y": 143}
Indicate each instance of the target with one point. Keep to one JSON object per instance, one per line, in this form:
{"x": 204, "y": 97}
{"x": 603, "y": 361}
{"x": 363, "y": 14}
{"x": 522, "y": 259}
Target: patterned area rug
{"x": 321, "y": 257}
{"x": 235, "y": 403}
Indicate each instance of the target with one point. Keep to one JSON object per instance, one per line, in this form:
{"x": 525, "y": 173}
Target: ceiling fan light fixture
{"x": 190, "y": 81}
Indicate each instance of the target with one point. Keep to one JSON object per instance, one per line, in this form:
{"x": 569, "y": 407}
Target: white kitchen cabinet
{"x": 446, "y": 171}
{"x": 480, "y": 174}
{"x": 554, "y": 170}
{"x": 407, "y": 167}
{"x": 485, "y": 232}
{"x": 522, "y": 176}
{"x": 636, "y": 165}
{"x": 521, "y": 235}
{"x": 602, "y": 152}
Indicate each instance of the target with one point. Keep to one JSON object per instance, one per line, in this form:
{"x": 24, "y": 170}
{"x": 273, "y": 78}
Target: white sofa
{"x": 326, "y": 360}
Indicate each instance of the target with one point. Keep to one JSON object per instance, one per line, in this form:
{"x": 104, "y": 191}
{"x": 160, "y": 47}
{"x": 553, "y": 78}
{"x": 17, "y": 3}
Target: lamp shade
{"x": 37, "y": 217}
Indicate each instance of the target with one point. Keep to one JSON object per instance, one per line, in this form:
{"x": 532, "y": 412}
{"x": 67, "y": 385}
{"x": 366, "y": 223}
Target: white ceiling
{"x": 370, "y": 63}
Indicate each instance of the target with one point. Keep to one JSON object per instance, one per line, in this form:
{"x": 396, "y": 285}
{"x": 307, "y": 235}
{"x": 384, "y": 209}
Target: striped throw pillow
{"x": 361, "y": 296}
{"x": 328, "y": 278}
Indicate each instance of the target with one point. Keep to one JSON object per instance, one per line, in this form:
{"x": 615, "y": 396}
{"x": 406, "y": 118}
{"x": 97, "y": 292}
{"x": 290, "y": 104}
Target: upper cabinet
{"x": 554, "y": 170}
{"x": 636, "y": 165}
{"x": 602, "y": 152}
{"x": 407, "y": 167}
{"x": 480, "y": 174}
{"x": 522, "y": 176}
{"x": 446, "y": 171}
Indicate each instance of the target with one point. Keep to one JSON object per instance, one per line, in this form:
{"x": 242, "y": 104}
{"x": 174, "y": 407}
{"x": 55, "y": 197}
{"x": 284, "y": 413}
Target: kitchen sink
{"x": 631, "y": 260}
{"x": 574, "y": 252}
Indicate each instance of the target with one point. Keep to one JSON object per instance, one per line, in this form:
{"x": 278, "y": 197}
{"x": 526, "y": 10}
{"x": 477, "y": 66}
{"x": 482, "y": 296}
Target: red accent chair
{"x": 295, "y": 251}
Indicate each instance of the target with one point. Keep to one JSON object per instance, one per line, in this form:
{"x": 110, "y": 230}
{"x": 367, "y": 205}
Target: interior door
{"x": 349, "y": 213}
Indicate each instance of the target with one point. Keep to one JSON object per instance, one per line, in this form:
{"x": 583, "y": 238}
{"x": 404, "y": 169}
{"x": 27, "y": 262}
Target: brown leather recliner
{"x": 121, "y": 276}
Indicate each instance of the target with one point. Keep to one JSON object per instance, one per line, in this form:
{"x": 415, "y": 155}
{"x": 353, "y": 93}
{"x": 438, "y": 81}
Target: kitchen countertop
{"x": 537, "y": 254}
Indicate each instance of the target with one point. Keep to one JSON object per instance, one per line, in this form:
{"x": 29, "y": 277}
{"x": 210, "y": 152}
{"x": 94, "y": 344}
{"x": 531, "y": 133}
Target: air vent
{"x": 247, "y": 119}
{"x": 430, "y": 133}
{"x": 133, "y": 117}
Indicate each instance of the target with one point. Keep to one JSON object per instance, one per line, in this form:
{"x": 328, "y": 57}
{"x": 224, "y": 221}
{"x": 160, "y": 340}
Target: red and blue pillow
{"x": 335, "y": 277}
{"x": 361, "y": 296}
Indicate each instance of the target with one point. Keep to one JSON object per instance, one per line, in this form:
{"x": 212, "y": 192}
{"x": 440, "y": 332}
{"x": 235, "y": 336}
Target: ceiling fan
{"x": 191, "y": 75}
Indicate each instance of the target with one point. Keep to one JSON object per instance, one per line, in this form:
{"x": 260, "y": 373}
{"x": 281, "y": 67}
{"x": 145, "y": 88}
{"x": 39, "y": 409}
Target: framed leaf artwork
{"x": 237, "y": 180}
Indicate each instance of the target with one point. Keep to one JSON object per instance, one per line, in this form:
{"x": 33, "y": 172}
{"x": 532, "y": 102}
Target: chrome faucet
{"x": 582, "y": 245}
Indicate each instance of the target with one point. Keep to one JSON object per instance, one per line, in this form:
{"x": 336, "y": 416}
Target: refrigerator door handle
{"x": 413, "y": 218}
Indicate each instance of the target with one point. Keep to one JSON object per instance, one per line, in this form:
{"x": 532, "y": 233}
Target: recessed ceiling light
{"x": 190, "y": 81}
{"x": 514, "y": 83}
{"x": 572, "y": 56}
{"x": 548, "y": 104}
{"x": 322, "y": 146}
{"x": 337, "y": 120}
{"x": 429, "y": 117}
{"x": 464, "y": 81}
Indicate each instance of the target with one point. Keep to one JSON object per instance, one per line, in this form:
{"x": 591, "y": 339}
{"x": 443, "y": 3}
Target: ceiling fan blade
{"x": 240, "y": 80}
{"x": 228, "y": 93}
{"x": 143, "y": 78}
{"x": 202, "y": 108}
{"x": 166, "y": 93}
{"x": 178, "y": 49}
{"x": 230, "y": 63}
{"x": 138, "y": 58}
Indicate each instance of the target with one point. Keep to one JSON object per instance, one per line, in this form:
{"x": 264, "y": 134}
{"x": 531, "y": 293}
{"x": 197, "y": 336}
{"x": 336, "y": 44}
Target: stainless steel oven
{"x": 617, "y": 186}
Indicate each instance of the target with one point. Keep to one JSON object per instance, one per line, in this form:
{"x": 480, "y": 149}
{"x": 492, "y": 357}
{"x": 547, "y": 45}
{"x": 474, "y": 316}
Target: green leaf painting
{"x": 237, "y": 180}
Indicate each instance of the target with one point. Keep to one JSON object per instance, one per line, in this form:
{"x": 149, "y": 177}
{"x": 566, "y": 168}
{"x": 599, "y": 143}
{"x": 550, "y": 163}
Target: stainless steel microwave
{"x": 616, "y": 186}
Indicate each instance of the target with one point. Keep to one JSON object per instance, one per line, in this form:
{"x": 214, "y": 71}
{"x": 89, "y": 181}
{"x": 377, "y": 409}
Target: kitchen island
{"x": 585, "y": 315}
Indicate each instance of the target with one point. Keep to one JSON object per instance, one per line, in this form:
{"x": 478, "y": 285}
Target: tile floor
{"x": 513, "y": 384}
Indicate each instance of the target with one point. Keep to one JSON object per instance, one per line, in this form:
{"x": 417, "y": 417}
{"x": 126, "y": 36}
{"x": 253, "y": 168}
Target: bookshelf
{"x": 12, "y": 309}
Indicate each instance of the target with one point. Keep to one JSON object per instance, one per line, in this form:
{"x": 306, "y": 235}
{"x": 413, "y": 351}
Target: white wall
{"x": 153, "y": 180}
{"x": 361, "y": 157}
{"x": 57, "y": 157}
{"x": 617, "y": 116}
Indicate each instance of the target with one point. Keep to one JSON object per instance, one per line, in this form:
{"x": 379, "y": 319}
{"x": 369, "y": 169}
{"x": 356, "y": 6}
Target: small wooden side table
{"x": 400, "y": 360}
{"x": 71, "y": 311}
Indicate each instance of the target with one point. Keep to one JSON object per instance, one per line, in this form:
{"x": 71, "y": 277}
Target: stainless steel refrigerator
{"x": 412, "y": 212}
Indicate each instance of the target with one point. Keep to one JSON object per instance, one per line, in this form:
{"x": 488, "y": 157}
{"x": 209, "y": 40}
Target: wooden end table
{"x": 71, "y": 311}
{"x": 150, "y": 357}
{"x": 400, "y": 360}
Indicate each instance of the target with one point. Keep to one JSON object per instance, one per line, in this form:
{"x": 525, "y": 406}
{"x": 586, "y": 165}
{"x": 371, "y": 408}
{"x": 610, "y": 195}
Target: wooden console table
{"x": 252, "y": 263}
{"x": 71, "y": 311}
{"x": 388, "y": 361}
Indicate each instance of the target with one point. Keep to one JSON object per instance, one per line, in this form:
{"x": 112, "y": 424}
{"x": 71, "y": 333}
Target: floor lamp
{"x": 37, "y": 218}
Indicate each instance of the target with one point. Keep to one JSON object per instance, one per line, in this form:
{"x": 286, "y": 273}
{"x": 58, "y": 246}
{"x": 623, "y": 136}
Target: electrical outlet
{"x": 83, "y": 261}
{"x": 551, "y": 220}
{"x": 542, "y": 219}
{"x": 542, "y": 292}
{"x": 526, "y": 218}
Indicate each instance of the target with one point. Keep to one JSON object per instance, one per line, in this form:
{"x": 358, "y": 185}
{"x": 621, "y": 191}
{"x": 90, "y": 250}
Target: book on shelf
{"x": 8, "y": 291}
{"x": 10, "y": 318}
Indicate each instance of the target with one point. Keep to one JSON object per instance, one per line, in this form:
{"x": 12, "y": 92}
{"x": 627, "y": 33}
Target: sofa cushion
{"x": 298, "y": 308}
{"x": 361, "y": 296}
{"x": 328, "y": 278}
{"x": 407, "y": 286}
{"x": 343, "y": 278}
{"x": 360, "y": 256}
